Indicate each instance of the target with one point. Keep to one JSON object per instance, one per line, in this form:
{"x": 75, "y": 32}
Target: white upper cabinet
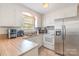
{"x": 11, "y": 14}
{"x": 7, "y": 14}
{"x": 65, "y": 12}
{"x": 70, "y": 11}
{"x": 19, "y": 15}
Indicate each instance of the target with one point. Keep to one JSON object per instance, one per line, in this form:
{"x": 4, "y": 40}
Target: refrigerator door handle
{"x": 63, "y": 32}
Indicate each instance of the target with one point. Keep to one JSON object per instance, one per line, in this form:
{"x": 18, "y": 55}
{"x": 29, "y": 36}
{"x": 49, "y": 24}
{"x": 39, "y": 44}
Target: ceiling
{"x": 51, "y": 7}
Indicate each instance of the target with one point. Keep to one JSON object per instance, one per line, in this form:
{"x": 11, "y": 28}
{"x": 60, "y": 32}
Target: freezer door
{"x": 58, "y": 37}
{"x": 71, "y": 42}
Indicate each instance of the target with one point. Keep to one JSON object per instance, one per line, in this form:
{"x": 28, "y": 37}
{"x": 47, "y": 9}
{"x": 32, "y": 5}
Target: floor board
{"x": 46, "y": 52}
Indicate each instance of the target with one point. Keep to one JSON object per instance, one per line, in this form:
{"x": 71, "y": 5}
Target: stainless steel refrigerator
{"x": 67, "y": 36}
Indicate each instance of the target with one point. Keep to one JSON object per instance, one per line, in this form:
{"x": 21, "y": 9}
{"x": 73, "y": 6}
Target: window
{"x": 30, "y": 22}
{"x": 36, "y": 22}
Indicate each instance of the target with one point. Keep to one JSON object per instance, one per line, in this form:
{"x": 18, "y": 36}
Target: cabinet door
{"x": 70, "y": 11}
{"x": 8, "y": 16}
{"x": 19, "y": 15}
{"x": 37, "y": 39}
{"x": 40, "y": 40}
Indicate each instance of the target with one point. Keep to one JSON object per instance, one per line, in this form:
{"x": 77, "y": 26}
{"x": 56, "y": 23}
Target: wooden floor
{"x": 46, "y": 52}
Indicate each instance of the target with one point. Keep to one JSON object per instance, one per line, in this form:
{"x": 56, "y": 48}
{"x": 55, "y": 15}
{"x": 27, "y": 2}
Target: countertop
{"x": 16, "y": 46}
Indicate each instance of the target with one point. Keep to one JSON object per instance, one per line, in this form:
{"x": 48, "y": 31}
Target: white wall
{"x": 11, "y": 15}
{"x": 48, "y": 19}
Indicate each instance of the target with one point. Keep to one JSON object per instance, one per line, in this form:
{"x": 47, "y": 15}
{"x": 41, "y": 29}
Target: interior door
{"x": 71, "y": 41}
{"x": 58, "y": 37}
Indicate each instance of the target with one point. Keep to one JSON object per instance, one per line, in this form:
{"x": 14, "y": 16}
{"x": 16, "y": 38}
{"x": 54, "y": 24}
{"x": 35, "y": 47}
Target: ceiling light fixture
{"x": 45, "y": 5}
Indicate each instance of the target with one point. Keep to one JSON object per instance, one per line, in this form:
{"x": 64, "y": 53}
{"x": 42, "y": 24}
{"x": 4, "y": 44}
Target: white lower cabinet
{"x": 37, "y": 39}
{"x": 49, "y": 46}
{"x": 32, "y": 52}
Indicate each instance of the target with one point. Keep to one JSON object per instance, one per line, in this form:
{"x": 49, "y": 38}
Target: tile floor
{"x": 46, "y": 52}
